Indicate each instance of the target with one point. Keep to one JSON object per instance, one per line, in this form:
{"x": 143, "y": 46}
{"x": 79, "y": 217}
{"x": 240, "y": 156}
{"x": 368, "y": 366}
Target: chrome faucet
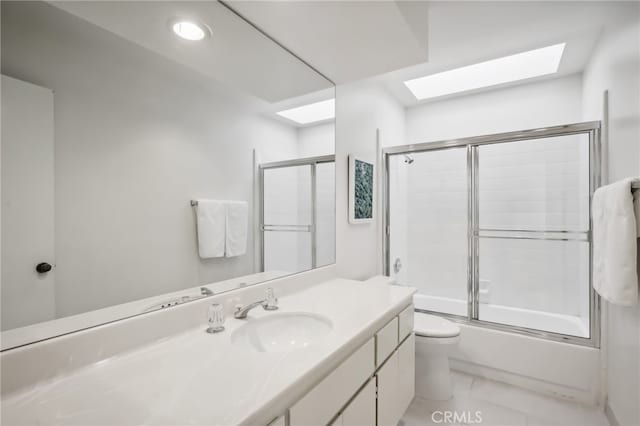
{"x": 268, "y": 304}
{"x": 204, "y": 291}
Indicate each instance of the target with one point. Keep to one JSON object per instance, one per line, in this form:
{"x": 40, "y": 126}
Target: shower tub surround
{"x": 189, "y": 376}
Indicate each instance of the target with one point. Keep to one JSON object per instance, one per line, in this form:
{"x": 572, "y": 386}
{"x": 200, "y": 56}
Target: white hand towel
{"x": 614, "y": 244}
{"x": 211, "y": 220}
{"x": 236, "y": 228}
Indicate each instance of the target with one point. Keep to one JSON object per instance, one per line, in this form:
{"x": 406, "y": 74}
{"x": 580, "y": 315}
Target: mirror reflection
{"x": 154, "y": 153}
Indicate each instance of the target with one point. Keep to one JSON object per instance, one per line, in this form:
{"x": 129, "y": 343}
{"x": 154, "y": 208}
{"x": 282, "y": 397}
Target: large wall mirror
{"x": 153, "y": 153}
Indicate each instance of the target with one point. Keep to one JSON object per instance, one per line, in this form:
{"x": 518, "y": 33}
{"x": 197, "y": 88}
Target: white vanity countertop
{"x": 198, "y": 378}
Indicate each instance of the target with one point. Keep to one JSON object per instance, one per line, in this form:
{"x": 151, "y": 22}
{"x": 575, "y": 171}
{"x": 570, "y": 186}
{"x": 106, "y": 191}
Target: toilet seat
{"x": 433, "y": 326}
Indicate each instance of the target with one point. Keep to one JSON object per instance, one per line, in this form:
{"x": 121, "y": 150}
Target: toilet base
{"x": 433, "y": 375}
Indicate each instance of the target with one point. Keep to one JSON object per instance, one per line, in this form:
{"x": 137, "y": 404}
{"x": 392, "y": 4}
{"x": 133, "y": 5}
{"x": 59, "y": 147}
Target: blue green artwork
{"x": 363, "y": 190}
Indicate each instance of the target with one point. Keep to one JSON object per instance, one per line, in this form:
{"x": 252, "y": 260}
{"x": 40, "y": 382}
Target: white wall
{"x": 361, "y": 108}
{"x": 317, "y": 140}
{"x": 526, "y": 106}
{"x": 136, "y": 137}
{"x": 615, "y": 66}
{"x": 27, "y": 203}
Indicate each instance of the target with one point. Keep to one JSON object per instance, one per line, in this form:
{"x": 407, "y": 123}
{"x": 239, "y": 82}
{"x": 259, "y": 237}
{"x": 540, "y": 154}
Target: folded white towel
{"x": 614, "y": 244}
{"x": 211, "y": 220}
{"x": 236, "y": 228}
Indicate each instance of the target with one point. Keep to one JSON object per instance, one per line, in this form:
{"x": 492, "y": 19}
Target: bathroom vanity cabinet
{"x": 374, "y": 385}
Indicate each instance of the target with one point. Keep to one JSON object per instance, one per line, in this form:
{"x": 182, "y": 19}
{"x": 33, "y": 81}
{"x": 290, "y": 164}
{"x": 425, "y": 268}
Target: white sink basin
{"x": 282, "y": 332}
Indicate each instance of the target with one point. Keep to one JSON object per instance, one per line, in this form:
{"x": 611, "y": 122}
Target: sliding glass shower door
{"x": 496, "y": 229}
{"x": 287, "y": 224}
{"x": 428, "y": 212}
{"x": 297, "y": 211}
{"x": 532, "y": 233}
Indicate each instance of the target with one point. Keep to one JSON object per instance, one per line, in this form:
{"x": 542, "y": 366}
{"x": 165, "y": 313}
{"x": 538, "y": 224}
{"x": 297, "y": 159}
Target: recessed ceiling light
{"x": 189, "y": 30}
{"x": 520, "y": 66}
{"x": 311, "y": 113}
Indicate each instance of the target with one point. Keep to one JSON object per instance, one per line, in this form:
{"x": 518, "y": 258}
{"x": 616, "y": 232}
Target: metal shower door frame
{"x": 312, "y": 162}
{"x": 592, "y": 129}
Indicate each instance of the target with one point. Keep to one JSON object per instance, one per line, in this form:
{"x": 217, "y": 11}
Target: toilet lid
{"x": 433, "y": 326}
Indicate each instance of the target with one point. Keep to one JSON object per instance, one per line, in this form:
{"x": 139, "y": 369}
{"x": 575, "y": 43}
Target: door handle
{"x": 43, "y": 267}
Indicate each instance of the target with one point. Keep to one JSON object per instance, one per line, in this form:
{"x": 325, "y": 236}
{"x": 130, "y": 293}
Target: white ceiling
{"x": 464, "y": 33}
{"x": 345, "y": 40}
{"x": 236, "y": 54}
{"x": 352, "y": 40}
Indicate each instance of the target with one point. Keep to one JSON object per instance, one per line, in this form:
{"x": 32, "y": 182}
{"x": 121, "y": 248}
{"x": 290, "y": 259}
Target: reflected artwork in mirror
{"x": 153, "y": 153}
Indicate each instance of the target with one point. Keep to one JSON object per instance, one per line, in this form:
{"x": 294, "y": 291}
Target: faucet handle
{"x": 271, "y": 301}
{"x": 216, "y": 318}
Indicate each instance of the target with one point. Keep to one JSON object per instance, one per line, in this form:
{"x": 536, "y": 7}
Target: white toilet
{"x": 435, "y": 337}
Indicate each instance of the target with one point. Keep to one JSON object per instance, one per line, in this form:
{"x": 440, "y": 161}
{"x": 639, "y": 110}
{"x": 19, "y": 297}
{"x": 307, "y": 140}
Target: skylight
{"x": 520, "y": 66}
{"x": 311, "y": 113}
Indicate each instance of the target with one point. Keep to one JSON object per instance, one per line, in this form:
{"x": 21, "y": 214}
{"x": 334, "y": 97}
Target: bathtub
{"x": 555, "y": 368}
{"x": 506, "y": 315}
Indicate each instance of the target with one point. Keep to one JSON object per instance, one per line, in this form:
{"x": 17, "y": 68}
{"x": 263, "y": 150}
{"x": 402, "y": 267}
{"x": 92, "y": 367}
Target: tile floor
{"x": 500, "y": 405}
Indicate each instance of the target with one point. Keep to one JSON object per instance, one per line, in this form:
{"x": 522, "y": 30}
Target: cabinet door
{"x": 361, "y": 411}
{"x": 407, "y": 373}
{"x": 388, "y": 405}
{"x": 396, "y": 383}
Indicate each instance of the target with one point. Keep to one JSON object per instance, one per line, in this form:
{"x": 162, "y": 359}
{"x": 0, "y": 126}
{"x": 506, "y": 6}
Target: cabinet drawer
{"x": 386, "y": 341}
{"x": 405, "y": 323}
{"x": 396, "y": 384}
{"x": 388, "y": 401}
{"x": 407, "y": 373}
{"x": 322, "y": 402}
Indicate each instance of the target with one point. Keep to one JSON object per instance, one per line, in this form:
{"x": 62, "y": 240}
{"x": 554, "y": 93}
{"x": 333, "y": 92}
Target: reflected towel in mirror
{"x": 211, "y": 222}
{"x": 236, "y": 228}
